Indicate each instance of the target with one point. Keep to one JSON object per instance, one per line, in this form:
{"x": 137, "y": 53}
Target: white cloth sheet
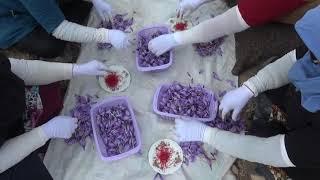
{"x": 73, "y": 163}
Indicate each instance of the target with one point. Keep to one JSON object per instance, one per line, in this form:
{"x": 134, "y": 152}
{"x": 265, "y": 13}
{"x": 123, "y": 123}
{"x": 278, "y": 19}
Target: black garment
{"x": 302, "y": 139}
{"x": 12, "y": 106}
{"x": 42, "y": 44}
{"x": 30, "y": 168}
{"x": 302, "y": 133}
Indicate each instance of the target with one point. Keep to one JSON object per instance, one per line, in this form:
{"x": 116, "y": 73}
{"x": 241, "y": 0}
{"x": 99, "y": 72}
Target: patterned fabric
{"x": 245, "y": 170}
{"x": 34, "y": 108}
{"x": 278, "y": 173}
{"x": 278, "y": 115}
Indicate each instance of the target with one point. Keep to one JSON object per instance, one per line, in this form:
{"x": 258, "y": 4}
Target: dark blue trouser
{"x": 43, "y": 44}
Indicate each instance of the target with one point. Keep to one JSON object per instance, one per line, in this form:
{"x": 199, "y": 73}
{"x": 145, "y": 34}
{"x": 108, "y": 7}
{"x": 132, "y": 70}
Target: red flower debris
{"x": 181, "y": 26}
{"x": 164, "y": 155}
{"x": 112, "y": 80}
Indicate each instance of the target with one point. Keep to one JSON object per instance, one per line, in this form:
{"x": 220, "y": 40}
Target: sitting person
{"x": 293, "y": 146}
{"x": 41, "y": 27}
{"x": 18, "y": 160}
{"x": 248, "y": 13}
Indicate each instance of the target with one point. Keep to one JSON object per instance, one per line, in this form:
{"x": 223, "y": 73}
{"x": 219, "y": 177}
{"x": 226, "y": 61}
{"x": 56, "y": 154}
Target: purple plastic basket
{"x": 168, "y": 116}
{"x": 109, "y": 102}
{"x": 143, "y": 33}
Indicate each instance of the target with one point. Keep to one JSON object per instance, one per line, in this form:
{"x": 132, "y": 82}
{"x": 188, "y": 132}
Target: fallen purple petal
{"x": 209, "y": 48}
{"x": 216, "y": 76}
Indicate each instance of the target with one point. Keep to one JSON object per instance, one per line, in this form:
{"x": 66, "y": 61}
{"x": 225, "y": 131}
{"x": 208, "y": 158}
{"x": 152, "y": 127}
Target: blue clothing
{"x": 308, "y": 28}
{"x": 19, "y": 17}
{"x": 305, "y": 74}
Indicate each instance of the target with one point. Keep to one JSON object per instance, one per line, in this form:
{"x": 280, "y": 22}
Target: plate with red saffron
{"x": 165, "y": 156}
{"x": 178, "y": 24}
{"x": 117, "y": 80}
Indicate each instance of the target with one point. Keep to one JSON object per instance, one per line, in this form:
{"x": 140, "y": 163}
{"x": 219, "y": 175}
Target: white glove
{"x": 60, "y": 127}
{"x": 118, "y": 39}
{"x": 162, "y": 44}
{"x": 234, "y": 101}
{"x": 92, "y": 68}
{"x": 189, "y": 130}
{"x": 186, "y": 7}
{"x": 103, "y": 9}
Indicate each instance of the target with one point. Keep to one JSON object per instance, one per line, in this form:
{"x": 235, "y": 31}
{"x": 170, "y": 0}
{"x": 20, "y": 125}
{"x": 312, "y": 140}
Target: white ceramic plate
{"x": 124, "y": 77}
{"x": 175, "y": 161}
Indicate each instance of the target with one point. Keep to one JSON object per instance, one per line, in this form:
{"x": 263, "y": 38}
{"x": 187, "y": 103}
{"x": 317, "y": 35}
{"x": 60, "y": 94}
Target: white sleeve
{"x": 35, "y": 72}
{"x": 269, "y": 151}
{"x": 73, "y": 32}
{"x": 16, "y": 149}
{"x": 229, "y": 22}
{"x": 272, "y": 76}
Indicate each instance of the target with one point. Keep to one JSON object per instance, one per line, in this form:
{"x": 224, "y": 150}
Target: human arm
{"x": 56, "y": 24}
{"x": 73, "y": 32}
{"x": 272, "y": 76}
{"x": 16, "y": 149}
{"x": 36, "y": 72}
{"x": 269, "y": 151}
{"x": 224, "y": 24}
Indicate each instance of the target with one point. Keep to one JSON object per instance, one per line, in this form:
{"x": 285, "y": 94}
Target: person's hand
{"x": 92, "y": 68}
{"x": 103, "y": 9}
{"x": 118, "y": 39}
{"x": 234, "y": 101}
{"x": 186, "y": 7}
{"x": 189, "y": 130}
{"x": 60, "y": 127}
{"x": 162, "y": 44}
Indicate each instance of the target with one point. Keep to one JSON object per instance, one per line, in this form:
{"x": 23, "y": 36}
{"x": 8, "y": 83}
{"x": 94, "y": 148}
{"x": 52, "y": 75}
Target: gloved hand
{"x": 92, "y": 68}
{"x": 118, "y": 39}
{"x": 103, "y": 9}
{"x": 234, "y": 101}
{"x": 60, "y": 127}
{"x": 189, "y": 130}
{"x": 162, "y": 44}
{"x": 186, "y": 7}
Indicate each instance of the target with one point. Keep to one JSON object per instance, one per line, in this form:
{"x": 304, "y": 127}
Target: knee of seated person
{"x": 51, "y": 49}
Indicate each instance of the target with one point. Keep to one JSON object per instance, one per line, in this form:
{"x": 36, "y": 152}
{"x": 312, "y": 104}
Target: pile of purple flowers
{"x": 145, "y": 57}
{"x": 81, "y": 111}
{"x": 228, "y": 124}
{"x": 115, "y": 126}
{"x": 185, "y": 100}
{"x": 194, "y": 149}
